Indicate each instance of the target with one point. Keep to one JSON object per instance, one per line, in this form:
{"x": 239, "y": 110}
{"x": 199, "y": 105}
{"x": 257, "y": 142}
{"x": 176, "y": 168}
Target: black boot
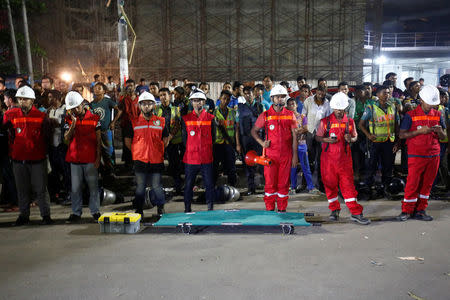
{"x": 21, "y": 220}
{"x": 360, "y": 219}
{"x": 46, "y": 220}
{"x": 334, "y": 216}
{"x": 421, "y": 215}
{"x": 161, "y": 210}
{"x": 403, "y": 217}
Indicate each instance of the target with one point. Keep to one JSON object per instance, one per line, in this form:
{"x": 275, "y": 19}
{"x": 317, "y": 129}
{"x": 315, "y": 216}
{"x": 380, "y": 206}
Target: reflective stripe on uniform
{"x": 140, "y": 127}
{"x": 423, "y": 196}
{"x": 410, "y": 200}
{"x": 198, "y": 123}
{"x": 426, "y": 118}
{"x": 27, "y": 120}
{"x": 268, "y": 194}
{"x": 332, "y": 200}
{"x": 281, "y": 195}
{"x": 350, "y": 199}
{"x": 280, "y": 118}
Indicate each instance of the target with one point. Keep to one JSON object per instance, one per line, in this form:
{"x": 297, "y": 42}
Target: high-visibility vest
{"x": 29, "y": 142}
{"x": 147, "y": 145}
{"x": 174, "y": 122}
{"x": 278, "y": 128}
{"x": 229, "y": 121}
{"x": 441, "y": 109}
{"x": 83, "y": 147}
{"x": 424, "y": 144}
{"x": 382, "y": 124}
{"x": 199, "y": 138}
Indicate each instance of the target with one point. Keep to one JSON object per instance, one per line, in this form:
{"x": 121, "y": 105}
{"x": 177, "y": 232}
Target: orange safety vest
{"x": 83, "y": 147}
{"x": 29, "y": 142}
{"x": 147, "y": 145}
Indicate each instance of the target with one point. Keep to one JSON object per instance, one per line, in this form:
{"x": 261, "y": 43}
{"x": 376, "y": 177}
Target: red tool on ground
{"x": 252, "y": 158}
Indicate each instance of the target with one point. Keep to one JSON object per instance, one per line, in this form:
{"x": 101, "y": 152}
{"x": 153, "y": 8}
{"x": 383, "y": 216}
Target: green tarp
{"x": 245, "y": 217}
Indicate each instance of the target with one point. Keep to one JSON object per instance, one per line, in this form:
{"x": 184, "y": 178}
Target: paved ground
{"x": 334, "y": 261}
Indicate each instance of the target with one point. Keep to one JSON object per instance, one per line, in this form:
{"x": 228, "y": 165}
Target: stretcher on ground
{"x": 233, "y": 217}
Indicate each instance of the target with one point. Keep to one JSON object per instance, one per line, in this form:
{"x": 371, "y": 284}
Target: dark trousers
{"x": 207, "y": 175}
{"x": 126, "y": 153}
{"x": 175, "y": 154}
{"x": 224, "y": 154}
{"x": 380, "y": 152}
{"x": 314, "y": 152}
{"x": 360, "y": 156}
{"x": 59, "y": 177}
{"x": 249, "y": 143}
{"x": 9, "y": 190}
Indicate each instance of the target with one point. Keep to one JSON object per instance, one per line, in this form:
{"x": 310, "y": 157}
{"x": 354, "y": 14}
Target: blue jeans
{"x": 107, "y": 151}
{"x": 152, "y": 179}
{"x": 208, "y": 177}
{"x": 304, "y": 162}
{"x": 90, "y": 174}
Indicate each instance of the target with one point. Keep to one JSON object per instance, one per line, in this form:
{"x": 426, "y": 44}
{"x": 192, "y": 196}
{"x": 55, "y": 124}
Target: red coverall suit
{"x": 423, "y": 161}
{"x": 278, "y": 128}
{"x": 336, "y": 163}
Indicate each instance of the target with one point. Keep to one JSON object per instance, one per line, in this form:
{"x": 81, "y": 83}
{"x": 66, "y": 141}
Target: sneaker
{"x": 421, "y": 215}
{"x": 73, "y": 219}
{"x": 161, "y": 210}
{"x": 314, "y": 191}
{"x": 403, "y": 216}
{"x": 281, "y": 210}
{"x": 22, "y": 221}
{"x": 360, "y": 219}
{"x": 250, "y": 192}
{"x": 334, "y": 216}
{"x": 96, "y": 216}
{"x": 46, "y": 220}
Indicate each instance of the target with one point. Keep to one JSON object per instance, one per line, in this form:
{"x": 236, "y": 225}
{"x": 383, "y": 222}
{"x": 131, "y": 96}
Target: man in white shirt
{"x": 315, "y": 108}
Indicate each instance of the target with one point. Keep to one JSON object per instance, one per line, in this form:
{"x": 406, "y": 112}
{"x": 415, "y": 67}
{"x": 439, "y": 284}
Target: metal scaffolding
{"x": 216, "y": 40}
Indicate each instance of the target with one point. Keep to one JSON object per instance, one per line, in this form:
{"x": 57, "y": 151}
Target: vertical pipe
{"x": 122, "y": 37}
{"x": 238, "y": 39}
{"x": 13, "y": 38}
{"x": 27, "y": 42}
{"x": 272, "y": 38}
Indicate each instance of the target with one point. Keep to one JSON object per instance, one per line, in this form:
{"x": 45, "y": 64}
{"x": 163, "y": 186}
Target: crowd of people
{"x": 333, "y": 141}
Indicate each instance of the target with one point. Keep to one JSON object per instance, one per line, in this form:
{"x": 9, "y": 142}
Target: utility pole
{"x": 13, "y": 38}
{"x": 123, "y": 36}
{"x": 27, "y": 42}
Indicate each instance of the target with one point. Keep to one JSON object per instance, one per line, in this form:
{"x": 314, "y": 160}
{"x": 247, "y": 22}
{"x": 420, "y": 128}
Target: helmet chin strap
{"x": 148, "y": 114}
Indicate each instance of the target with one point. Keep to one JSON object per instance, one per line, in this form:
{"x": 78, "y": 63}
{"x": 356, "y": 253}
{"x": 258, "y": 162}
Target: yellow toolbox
{"x": 115, "y": 222}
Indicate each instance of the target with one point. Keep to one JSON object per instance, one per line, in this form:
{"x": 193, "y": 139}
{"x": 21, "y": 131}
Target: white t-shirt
{"x": 315, "y": 113}
{"x": 110, "y": 86}
{"x": 56, "y": 115}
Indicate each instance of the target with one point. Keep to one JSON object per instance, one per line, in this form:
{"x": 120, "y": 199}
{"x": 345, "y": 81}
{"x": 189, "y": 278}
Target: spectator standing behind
{"x": 174, "y": 149}
{"x": 336, "y": 132}
{"x": 397, "y": 93}
{"x": 323, "y": 83}
{"x": 103, "y": 106}
{"x": 281, "y": 147}
{"x": 84, "y": 139}
{"x": 142, "y": 87}
{"x": 422, "y": 128}
{"x": 9, "y": 190}
{"x": 227, "y": 139}
{"x": 128, "y": 104}
{"x": 93, "y": 83}
{"x": 204, "y": 86}
{"x": 181, "y": 101}
{"x": 248, "y": 114}
{"x": 443, "y": 160}
{"x": 301, "y": 95}
{"x": 154, "y": 90}
{"x": 148, "y": 137}
{"x": 406, "y": 83}
{"x": 379, "y": 124}
{"x": 235, "y": 94}
{"x": 111, "y": 88}
{"x": 268, "y": 83}
{"x": 350, "y": 110}
{"x": 31, "y": 131}
{"x": 198, "y": 132}
{"x": 315, "y": 108}
{"x": 302, "y": 150}
{"x": 60, "y": 174}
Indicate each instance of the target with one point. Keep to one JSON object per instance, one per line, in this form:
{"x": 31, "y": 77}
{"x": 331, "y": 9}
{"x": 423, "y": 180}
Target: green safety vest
{"x": 382, "y": 125}
{"x": 441, "y": 108}
{"x": 174, "y": 122}
{"x": 229, "y": 124}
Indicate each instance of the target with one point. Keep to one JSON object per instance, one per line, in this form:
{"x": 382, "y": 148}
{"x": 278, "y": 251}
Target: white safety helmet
{"x": 146, "y": 96}
{"x": 339, "y": 101}
{"x": 73, "y": 99}
{"x": 198, "y": 94}
{"x": 25, "y": 92}
{"x": 278, "y": 90}
{"x": 430, "y": 95}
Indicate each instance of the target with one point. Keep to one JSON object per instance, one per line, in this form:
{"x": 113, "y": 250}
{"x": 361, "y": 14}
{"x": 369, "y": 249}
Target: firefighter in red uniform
{"x": 198, "y": 132}
{"x": 30, "y": 132}
{"x": 422, "y": 128}
{"x": 148, "y": 137}
{"x": 279, "y": 125}
{"x": 336, "y": 132}
{"x": 84, "y": 140}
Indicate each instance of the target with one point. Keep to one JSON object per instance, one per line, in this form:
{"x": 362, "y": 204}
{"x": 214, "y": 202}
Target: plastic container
{"x": 115, "y": 222}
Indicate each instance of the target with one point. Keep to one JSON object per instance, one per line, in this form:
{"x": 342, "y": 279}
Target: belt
{"x": 31, "y": 162}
